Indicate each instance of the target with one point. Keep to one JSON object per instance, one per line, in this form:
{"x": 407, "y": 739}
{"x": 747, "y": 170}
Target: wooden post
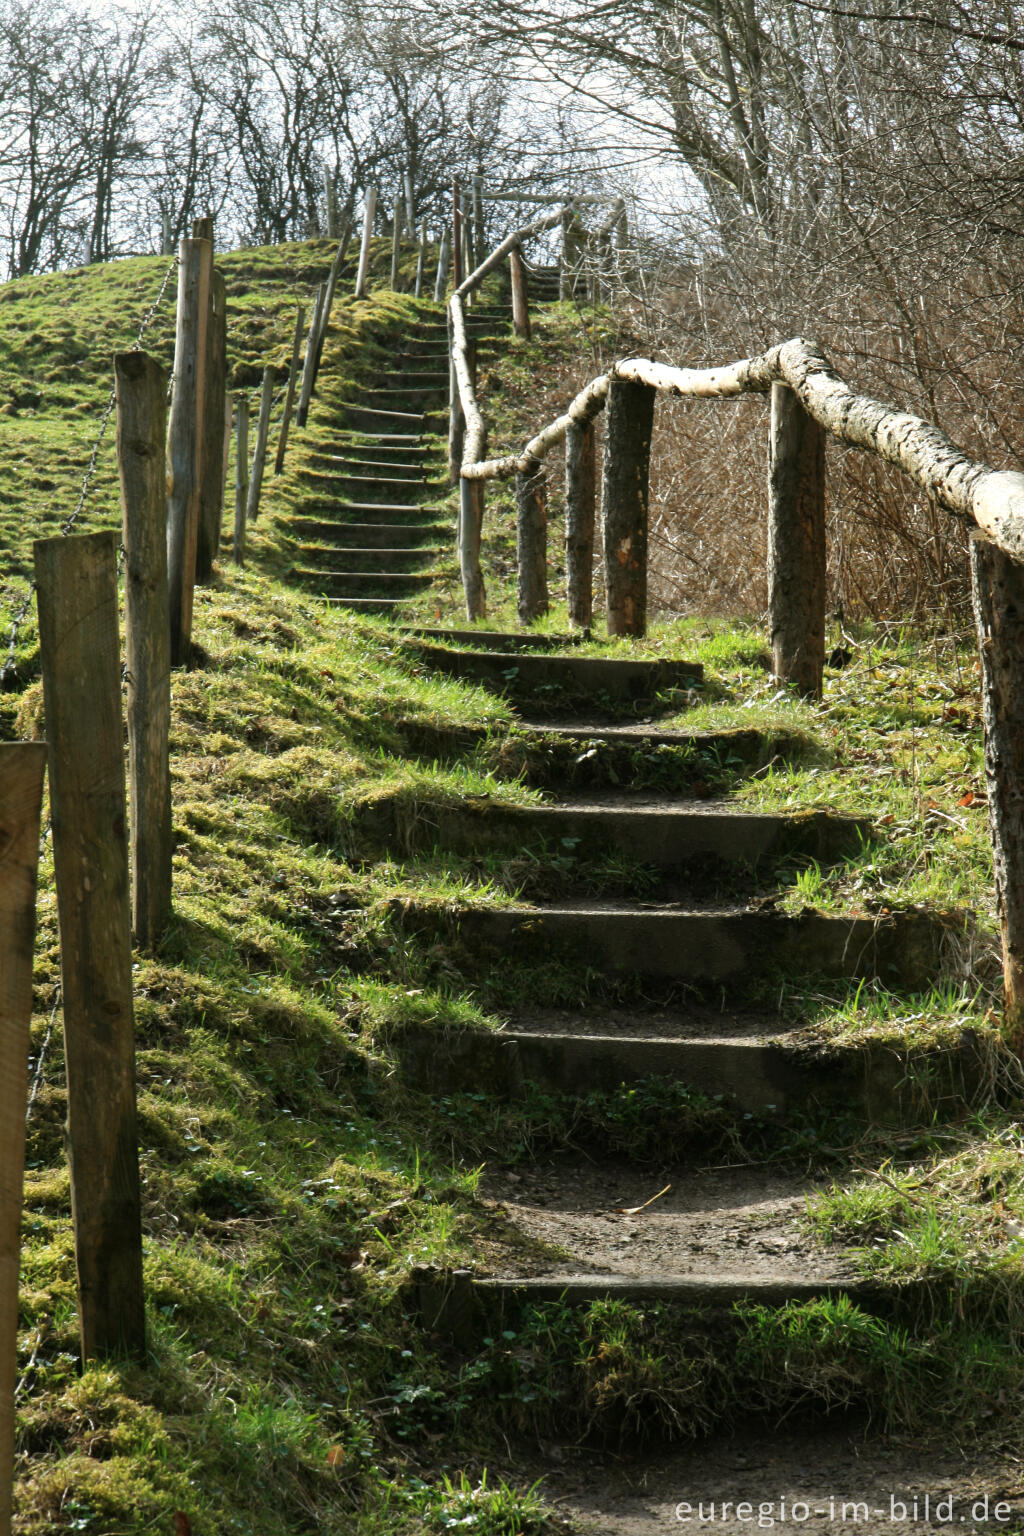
{"x": 467, "y": 252}
{"x": 532, "y": 543}
{"x": 997, "y": 585}
{"x": 362, "y": 277}
{"x": 202, "y": 229}
{"x": 166, "y": 237}
{"x": 796, "y": 543}
{"x": 479, "y": 250}
{"x": 252, "y": 506}
{"x": 21, "y": 792}
{"x": 81, "y": 663}
{"x": 456, "y": 418}
{"x": 457, "y": 272}
{"x": 309, "y": 366}
{"x": 520, "y": 304}
{"x": 421, "y": 260}
{"x": 141, "y": 387}
{"x": 410, "y": 202}
{"x": 211, "y": 488}
{"x": 289, "y": 399}
{"x": 331, "y": 199}
{"x": 564, "y": 277}
{"x": 229, "y": 427}
{"x": 580, "y": 497}
{"x": 443, "y": 256}
{"x": 185, "y": 437}
{"x": 627, "y": 467}
{"x": 471, "y": 518}
{"x": 241, "y": 478}
{"x": 396, "y": 242}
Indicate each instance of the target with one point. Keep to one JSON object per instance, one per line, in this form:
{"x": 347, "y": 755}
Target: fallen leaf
{"x": 335, "y": 1455}
{"x": 182, "y": 1524}
{"x": 968, "y": 799}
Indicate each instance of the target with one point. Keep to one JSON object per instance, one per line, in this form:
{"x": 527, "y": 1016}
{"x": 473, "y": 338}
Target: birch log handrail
{"x": 992, "y": 499}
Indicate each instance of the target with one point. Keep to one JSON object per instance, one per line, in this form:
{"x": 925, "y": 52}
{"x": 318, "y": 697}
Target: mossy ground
{"x": 292, "y": 1183}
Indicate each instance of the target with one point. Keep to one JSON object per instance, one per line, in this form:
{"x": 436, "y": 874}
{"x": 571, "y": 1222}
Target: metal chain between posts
{"x": 8, "y": 669}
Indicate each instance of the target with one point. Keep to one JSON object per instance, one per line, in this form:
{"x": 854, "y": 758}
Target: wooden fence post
{"x": 252, "y": 507}
{"x": 471, "y": 519}
{"x": 369, "y": 211}
{"x": 997, "y": 585}
{"x": 532, "y": 543}
{"x": 564, "y": 278}
{"x": 479, "y": 249}
{"x": 457, "y": 272}
{"x": 229, "y": 424}
{"x": 211, "y": 487}
{"x": 328, "y": 302}
{"x": 21, "y": 792}
{"x": 81, "y": 662}
{"x": 456, "y": 417}
{"x": 796, "y": 543}
{"x": 309, "y": 366}
{"x": 241, "y": 477}
{"x": 627, "y": 468}
{"x": 580, "y": 498}
{"x": 421, "y": 260}
{"x": 410, "y": 202}
{"x": 396, "y": 242}
{"x": 185, "y": 437}
{"x": 331, "y": 199}
{"x": 289, "y": 399}
{"x": 467, "y": 251}
{"x": 443, "y": 256}
{"x": 520, "y": 303}
{"x": 141, "y": 386}
{"x": 202, "y": 229}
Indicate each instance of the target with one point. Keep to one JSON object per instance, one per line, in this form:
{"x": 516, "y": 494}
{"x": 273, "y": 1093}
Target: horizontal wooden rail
{"x": 992, "y": 499}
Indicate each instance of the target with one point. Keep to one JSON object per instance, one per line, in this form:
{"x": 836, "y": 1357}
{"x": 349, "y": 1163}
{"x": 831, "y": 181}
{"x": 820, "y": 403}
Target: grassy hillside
{"x": 294, "y": 1186}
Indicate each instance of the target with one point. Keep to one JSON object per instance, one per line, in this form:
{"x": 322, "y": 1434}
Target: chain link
{"x": 8, "y": 669}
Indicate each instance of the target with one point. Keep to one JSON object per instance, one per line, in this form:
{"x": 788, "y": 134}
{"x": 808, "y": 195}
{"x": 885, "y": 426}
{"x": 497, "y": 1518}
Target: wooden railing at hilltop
{"x": 809, "y": 401}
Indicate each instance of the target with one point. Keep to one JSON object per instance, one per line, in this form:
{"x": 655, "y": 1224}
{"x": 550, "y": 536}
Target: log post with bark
{"x": 580, "y": 502}
{"x": 624, "y": 503}
{"x": 520, "y": 303}
{"x": 531, "y": 542}
{"x": 796, "y": 544}
{"x": 185, "y": 437}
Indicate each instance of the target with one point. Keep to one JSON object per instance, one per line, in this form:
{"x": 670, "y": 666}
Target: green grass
{"x": 292, "y": 1182}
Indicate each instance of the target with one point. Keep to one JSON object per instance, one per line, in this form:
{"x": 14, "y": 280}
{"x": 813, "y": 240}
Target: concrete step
{"x": 496, "y": 640}
{"x": 669, "y": 837}
{"x": 726, "y": 948}
{"x": 382, "y": 535}
{"x": 616, "y": 678}
{"x": 755, "y": 1064}
{"x": 363, "y": 583}
{"x": 328, "y": 557}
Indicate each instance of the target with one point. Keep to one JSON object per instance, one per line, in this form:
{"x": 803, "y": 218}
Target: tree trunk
{"x": 997, "y": 584}
{"x": 624, "y": 498}
{"x": 796, "y": 543}
{"x": 580, "y": 498}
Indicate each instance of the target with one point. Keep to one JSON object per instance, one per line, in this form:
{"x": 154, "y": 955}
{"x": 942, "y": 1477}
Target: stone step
{"x": 496, "y": 640}
{"x": 332, "y": 557}
{"x": 382, "y": 535}
{"x": 731, "y": 949}
{"x": 667, "y": 836}
{"x": 617, "y": 678}
{"x": 363, "y": 583}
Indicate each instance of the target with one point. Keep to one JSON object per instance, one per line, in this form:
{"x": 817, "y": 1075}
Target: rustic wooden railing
{"x": 808, "y": 401}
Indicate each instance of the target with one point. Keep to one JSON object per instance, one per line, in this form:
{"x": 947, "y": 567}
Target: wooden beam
{"x": 80, "y": 651}
{"x": 22, "y": 765}
{"x": 624, "y": 497}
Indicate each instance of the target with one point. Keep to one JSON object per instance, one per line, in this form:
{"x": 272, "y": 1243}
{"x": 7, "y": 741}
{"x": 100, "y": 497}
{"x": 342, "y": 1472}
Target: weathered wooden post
{"x": 997, "y": 585}
{"x": 211, "y": 488}
{"x": 421, "y": 260}
{"x": 520, "y": 304}
{"x": 289, "y": 398}
{"x": 312, "y": 346}
{"x": 796, "y": 543}
{"x": 532, "y": 543}
{"x": 396, "y": 242}
{"x": 456, "y": 416}
{"x": 141, "y": 388}
{"x": 369, "y": 212}
{"x": 479, "y": 249}
{"x": 229, "y": 427}
{"x": 328, "y": 303}
{"x": 564, "y": 278}
{"x": 252, "y": 506}
{"x": 580, "y": 499}
{"x": 467, "y": 251}
{"x": 457, "y": 269}
{"x": 443, "y": 256}
{"x": 185, "y": 437}
{"x": 166, "y": 237}
{"x": 331, "y": 200}
{"x": 21, "y": 792}
{"x": 202, "y": 229}
{"x": 627, "y": 468}
{"x": 81, "y": 662}
{"x": 410, "y": 202}
{"x": 471, "y": 520}
{"x": 241, "y": 478}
